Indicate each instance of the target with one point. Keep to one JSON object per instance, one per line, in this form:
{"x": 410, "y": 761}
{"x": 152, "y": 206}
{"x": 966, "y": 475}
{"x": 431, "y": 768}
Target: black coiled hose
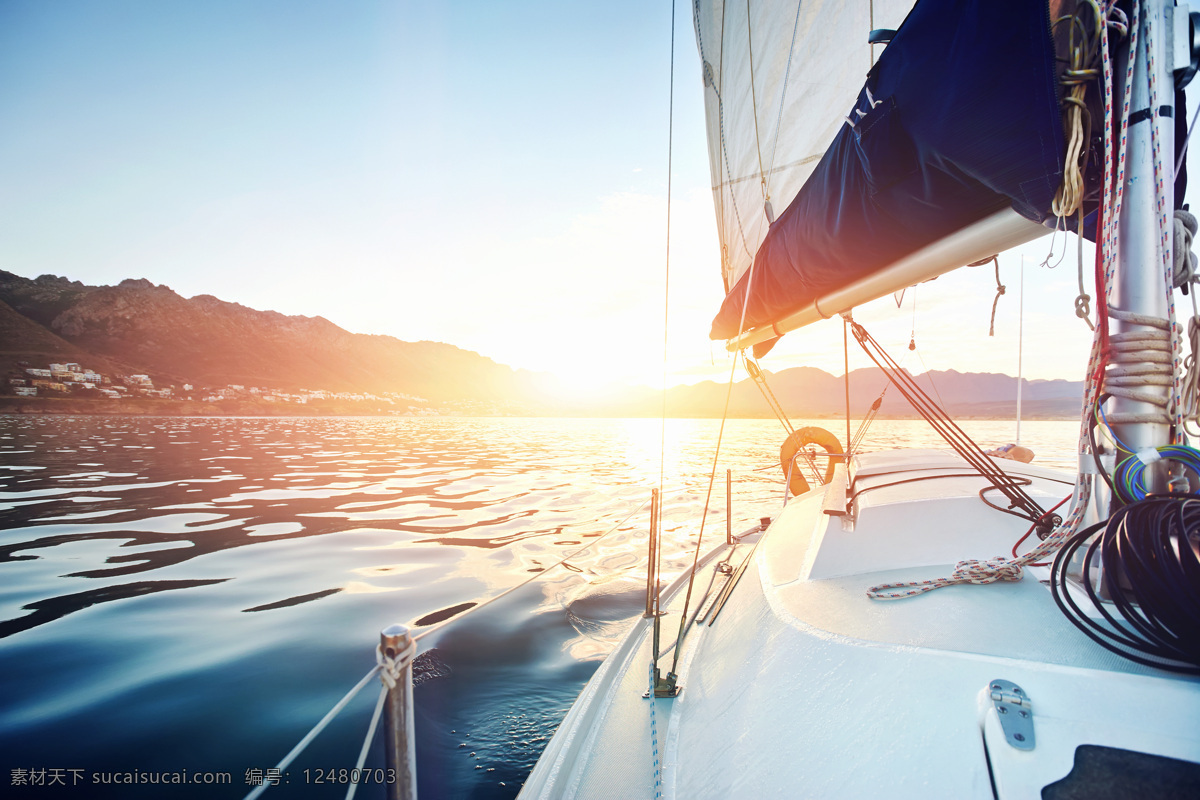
{"x": 1149, "y": 554}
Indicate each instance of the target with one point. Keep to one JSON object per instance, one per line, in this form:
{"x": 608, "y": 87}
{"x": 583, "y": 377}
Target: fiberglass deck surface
{"x": 805, "y": 687}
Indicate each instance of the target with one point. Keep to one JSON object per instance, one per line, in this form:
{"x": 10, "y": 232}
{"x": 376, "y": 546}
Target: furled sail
{"x": 827, "y": 168}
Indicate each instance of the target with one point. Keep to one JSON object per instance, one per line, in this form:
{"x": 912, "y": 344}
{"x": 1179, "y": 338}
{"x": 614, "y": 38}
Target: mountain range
{"x": 138, "y": 327}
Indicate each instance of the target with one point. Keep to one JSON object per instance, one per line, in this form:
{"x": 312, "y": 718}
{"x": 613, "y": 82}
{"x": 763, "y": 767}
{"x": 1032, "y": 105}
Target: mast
{"x": 1140, "y": 281}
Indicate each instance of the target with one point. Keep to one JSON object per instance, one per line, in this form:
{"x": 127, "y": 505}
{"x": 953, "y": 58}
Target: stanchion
{"x": 397, "y": 648}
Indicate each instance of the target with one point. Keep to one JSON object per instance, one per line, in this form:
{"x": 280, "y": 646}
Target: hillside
{"x": 138, "y": 327}
{"x": 210, "y": 342}
{"x": 810, "y": 392}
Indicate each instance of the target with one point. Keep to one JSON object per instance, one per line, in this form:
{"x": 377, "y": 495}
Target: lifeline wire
{"x": 312, "y": 734}
{"x": 333, "y": 712}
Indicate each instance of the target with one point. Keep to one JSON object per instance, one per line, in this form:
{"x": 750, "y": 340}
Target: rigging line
{"x": 312, "y": 734}
{"x": 867, "y": 419}
{"x": 710, "y": 80}
{"x": 1165, "y": 228}
{"x": 787, "y": 74}
{"x": 704, "y": 516}
{"x": 846, "y": 376}
{"x": 1183, "y": 151}
{"x": 762, "y": 178}
{"x": 712, "y": 476}
{"x": 1000, "y": 290}
{"x": 737, "y": 214}
{"x": 800, "y": 162}
{"x": 662, "y": 441}
{"x": 929, "y": 376}
{"x": 760, "y": 380}
{"x": 370, "y": 737}
{"x": 970, "y": 451}
{"x": 945, "y": 427}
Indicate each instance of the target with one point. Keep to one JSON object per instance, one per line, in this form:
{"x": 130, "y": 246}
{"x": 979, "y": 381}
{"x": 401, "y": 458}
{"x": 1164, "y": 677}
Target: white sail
{"x": 779, "y": 82}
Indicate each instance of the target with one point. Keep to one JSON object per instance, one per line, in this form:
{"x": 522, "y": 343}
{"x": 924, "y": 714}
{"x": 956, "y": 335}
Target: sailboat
{"x": 933, "y": 623}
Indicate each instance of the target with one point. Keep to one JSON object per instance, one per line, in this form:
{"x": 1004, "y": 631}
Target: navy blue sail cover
{"x": 960, "y": 118}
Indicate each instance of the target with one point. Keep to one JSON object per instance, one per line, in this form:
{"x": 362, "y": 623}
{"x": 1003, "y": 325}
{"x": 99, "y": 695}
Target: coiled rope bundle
{"x": 1149, "y": 554}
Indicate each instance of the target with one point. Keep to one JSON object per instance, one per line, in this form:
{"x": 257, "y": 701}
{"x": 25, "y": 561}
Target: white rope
{"x": 995, "y": 569}
{"x": 1139, "y": 358}
{"x": 362, "y": 755}
{"x": 1187, "y": 139}
{"x": 1185, "y": 260}
{"x": 787, "y": 75}
{"x": 392, "y": 669}
{"x": 1083, "y": 58}
{"x": 320, "y": 726}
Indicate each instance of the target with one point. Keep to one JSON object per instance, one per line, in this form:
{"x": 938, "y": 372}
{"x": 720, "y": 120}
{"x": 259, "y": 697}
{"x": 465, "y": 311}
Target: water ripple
{"x": 217, "y": 584}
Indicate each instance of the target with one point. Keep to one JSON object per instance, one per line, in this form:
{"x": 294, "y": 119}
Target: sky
{"x": 491, "y": 175}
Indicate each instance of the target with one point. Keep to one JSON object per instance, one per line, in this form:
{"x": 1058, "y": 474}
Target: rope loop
{"x": 969, "y": 571}
{"x": 989, "y": 571}
{"x": 1083, "y": 308}
{"x": 391, "y": 669}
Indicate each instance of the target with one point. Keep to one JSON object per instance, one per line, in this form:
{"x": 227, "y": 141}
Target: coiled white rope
{"x": 999, "y": 568}
{"x": 1083, "y": 57}
{"x": 1139, "y": 358}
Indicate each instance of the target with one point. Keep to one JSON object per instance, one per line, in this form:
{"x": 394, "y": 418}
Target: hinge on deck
{"x": 664, "y": 687}
{"x": 1015, "y": 710}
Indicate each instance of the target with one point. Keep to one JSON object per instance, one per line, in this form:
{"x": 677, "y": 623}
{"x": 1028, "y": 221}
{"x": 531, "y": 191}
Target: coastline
{"x": 159, "y": 407}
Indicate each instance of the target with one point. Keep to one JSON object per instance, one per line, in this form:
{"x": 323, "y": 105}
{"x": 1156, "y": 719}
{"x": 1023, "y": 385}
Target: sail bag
{"x": 958, "y": 118}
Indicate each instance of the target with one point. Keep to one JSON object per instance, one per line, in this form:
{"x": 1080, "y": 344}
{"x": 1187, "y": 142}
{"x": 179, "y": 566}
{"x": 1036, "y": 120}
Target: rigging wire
{"x": 662, "y": 442}
{"x": 954, "y": 435}
{"x": 760, "y": 380}
{"x": 762, "y": 176}
{"x": 1166, "y": 231}
{"x": 787, "y": 74}
{"x": 712, "y": 477}
{"x": 704, "y": 515}
{"x": 846, "y": 381}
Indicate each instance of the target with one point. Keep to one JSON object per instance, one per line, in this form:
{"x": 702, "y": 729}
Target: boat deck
{"x": 805, "y": 687}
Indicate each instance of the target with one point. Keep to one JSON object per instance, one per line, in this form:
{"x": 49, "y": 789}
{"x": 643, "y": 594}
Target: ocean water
{"x": 184, "y": 598}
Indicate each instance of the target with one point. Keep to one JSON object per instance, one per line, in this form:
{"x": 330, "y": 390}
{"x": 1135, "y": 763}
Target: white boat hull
{"x": 805, "y": 687}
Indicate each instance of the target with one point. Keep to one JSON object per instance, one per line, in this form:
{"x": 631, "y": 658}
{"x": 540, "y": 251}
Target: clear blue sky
{"x": 492, "y": 175}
